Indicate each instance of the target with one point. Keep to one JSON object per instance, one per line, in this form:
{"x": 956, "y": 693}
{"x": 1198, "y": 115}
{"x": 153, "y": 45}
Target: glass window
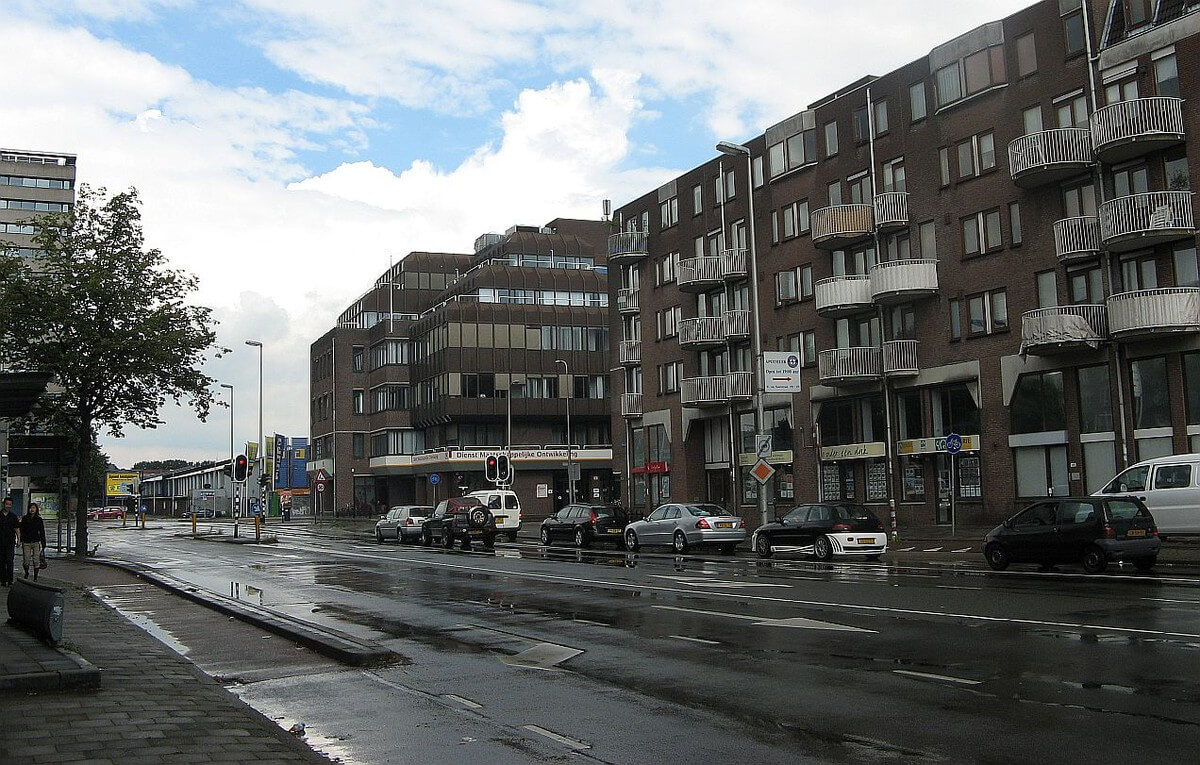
{"x": 1151, "y": 400}
{"x": 697, "y": 200}
{"x": 955, "y": 320}
{"x": 1037, "y": 404}
{"x": 831, "y": 139}
{"x": 1166, "y": 76}
{"x": 1014, "y": 222}
{"x": 1186, "y": 272}
{"x": 1047, "y": 289}
{"x": 756, "y": 168}
{"x": 1026, "y": 55}
{"x": 928, "y": 241}
{"x": 948, "y": 85}
{"x": 916, "y": 101}
{"x": 1032, "y": 119}
{"x": 1173, "y": 477}
{"x": 944, "y": 163}
{"x": 1191, "y": 377}
{"x": 881, "y": 118}
{"x": 861, "y": 131}
{"x": 1073, "y": 32}
{"x": 1095, "y": 401}
{"x": 778, "y": 159}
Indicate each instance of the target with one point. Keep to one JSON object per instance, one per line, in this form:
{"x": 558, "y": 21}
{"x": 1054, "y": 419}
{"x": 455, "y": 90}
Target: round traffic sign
{"x": 321, "y": 486}
{"x": 434, "y": 479}
{"x": 953, "y": 443}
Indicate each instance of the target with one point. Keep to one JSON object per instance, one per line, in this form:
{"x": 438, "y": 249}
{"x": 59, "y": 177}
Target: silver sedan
{"x": 402, "y": 523}
{"x": 687, "y": 525}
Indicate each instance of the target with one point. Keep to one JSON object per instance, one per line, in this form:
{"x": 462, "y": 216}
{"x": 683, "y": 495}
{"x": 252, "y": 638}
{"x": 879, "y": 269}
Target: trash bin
{"x": 38, "y": 607}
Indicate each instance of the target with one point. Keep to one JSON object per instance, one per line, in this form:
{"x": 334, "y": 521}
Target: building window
{"x": 881, "y": 118}
{"x": 970, "y": 75}
{"x": 981, "y": 233}
{"x": 774, "y": 227}
{"x": 1095, "y": 400}
{"x": 789, "y": 221}
{"x": 697, "y": 200}
{"x": 916, "y": 101}
{"x": 359, "y": 445}
{"x": 756, "y": 169}
{"x": 1046, "y": 283}
{"x": 808, "y": 348}
{"x": 669, "y": 212}
{"x": 668, "y": 322}
{"x": 976, "y": 155}
{"x": 1139, "y": 274}
{"x": 1191, "y": 379}
{"x": 805, "y": 278}
{"x": 835, "y": 193}
{"x": 1026, "y": 55}
{"x": 1037, "y": 404}
{"x": 1166, "y": 76}
{"x": 785, "y": 286}
{"x": 1073, "y": 32}
{"x": 861, "y": 124}
{"x": 1071, "y": 110}
{"x": 988, "y": 312}
{"x": 928, "y": 235}
{"x": 1151, "y": 393}
{"x": 359, "y": 399}
{"x": 1014, "y": 222}
{"x": 894, "y": 176}
{"x": 356, "y": 358}
{"x": 1087, "y": 286}
{"x": 944, "y": 165}
{"x": 1186, "y": 272}
{"x": 795, "y": 151}
{"x": 955, "y": 320}
{"x": 831, "y": 139}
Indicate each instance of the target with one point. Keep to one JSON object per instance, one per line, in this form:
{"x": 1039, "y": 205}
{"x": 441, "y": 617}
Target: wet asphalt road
{"x": 650, "y": 657}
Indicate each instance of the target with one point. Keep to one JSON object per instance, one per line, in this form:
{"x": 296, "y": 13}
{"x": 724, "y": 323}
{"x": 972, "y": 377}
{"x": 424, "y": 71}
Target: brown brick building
{"x": 415, "y": 380}
{"x": 996, "y": 240}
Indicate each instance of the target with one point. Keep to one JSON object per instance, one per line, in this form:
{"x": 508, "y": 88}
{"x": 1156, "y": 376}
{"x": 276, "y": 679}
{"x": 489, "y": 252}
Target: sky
{"x": 286, "y": 151}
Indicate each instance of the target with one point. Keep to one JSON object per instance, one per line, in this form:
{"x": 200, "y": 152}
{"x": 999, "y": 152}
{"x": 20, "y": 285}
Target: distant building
{"x": 32, "y": 184}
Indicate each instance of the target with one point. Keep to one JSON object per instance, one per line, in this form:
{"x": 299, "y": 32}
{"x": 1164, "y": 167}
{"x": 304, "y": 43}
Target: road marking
{"x": 906, "y": 549}
{"x": 928, "y": 676}
{"x": 465, "y": 702}
{"x": 951, "y": 587}
{"x": 555, "y": 737}
{"x": 695, "y": 640}
{"x": 706, "y": 582}
{"x": 589, "y": 621}
{"x": 758, "y": 621}
{"x": 965, "y": 549}
{"x": 1169, "y": 600}
{"x": 933, "y": 549}
{"x": 542, "y": 656}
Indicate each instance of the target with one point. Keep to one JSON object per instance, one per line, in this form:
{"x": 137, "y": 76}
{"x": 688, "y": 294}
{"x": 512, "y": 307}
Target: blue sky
{"x": 286, "y": 150}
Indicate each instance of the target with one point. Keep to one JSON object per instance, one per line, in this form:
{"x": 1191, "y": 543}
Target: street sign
{"x": 954, "y": 443}
{"x": 762, "y": 446}
{"x": 781, "y": 372}
{"x": 762, "y": 471}
{"x": 434, "y": 479}
{"x": 321, "y": 475}
{"x": 321, "y": 487}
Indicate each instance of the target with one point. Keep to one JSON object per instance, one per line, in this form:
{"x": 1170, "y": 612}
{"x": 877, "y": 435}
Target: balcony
{"x": 894, "y": 281}
{"x": 627, "y": 300}
{"x": 628, "y": 247}
{"x": 1047, "y": 331}
{"x": 1049, "y": 156}
{"x": 733, "y": 264}
{"x": 700, "y": 274}
{"x": 1144, "y": 313}
{"x": 702, "y": 332}
{"x": 739, "y": 385}
{"x": 1131, "y": 129}
{"x": 630, "y": 352}
{"x": 1145, "y": 220}
{"x": 841, "y": 225}
{"x": 704, "y": 391}
{"x": 1077, "y": 239}
{"x": 631, "y": 405}
{"x": 891, "y": 210}
{"x": 839, "y": 366}
{"x": 900, "y": 358}
{"x": 839, "y": 296}
{"x": 737, "y": 324}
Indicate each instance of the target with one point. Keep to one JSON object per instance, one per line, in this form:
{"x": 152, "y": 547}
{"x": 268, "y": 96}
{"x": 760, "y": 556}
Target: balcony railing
{"x": 631, "y": 404}
{"x": 1144, "y": 220}
{"x": 1066, "y": 327}
{"x": 704, "y": 391}
{"x": 891, "y": 210}
{"x": 842, "y": 295}
{"x": 833, "y": 227}
{"x": 847, "y": 365}
{"x": 1049, "y": 156}
{"x": 739, "y": 385}
{"x": 733, "y": 263}
{"x": 630, "y": 352}
{"x": 1132, "y": 315}
{"x": 903, "y": 279}
{"x": 627, "y": 300}
{"x": 737, "y": 324}
{"x": 1130, "y": 129}
{"x": 705, "y": 331}
{"x": 900, "y": 358}
{"x": 699, "y": 274}
{"x": 1077, "y": 238}
{"x": 628, "y": 246}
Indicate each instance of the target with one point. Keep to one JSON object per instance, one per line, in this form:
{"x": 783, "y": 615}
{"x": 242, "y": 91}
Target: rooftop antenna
{"x": 607, "y": 209}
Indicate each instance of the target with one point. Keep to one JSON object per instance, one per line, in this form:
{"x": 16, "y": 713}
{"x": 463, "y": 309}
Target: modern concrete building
{"x": 424, "y": 373}
{"x": 996, "y": 240}
{"x": 32, "y": 183}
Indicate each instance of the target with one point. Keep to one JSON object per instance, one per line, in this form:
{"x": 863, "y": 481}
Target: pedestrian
{"x": 8, "y": 540}
{"x": 33, "y": 540}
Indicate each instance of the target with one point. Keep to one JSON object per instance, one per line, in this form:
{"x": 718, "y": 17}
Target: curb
{"x": 83, "y": 675}
{"x": 327, "y": 642}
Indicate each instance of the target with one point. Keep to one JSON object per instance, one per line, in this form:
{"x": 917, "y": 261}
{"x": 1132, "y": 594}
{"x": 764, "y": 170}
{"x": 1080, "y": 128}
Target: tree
{"x": 172, "y": 464}
{"x": 110, "y": 320}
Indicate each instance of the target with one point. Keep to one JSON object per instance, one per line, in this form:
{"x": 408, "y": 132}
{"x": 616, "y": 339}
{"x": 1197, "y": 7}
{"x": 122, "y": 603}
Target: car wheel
{"x": 447, "y": 538}
{"x": 581, "y": 539}
{"x": 762, "y": 546}
{"x": 1145, "y": 564}
{"x": 426, "y": 538}
{"x": 1094, "y": 560}
{"x": 997, "y": 557}
{"x": 679, "y": 542}
{"x": 378, "y": 536}
{"x": 631, "y": 541}
{"x": 823, "y": 548}
{"x": 545, "y": 536}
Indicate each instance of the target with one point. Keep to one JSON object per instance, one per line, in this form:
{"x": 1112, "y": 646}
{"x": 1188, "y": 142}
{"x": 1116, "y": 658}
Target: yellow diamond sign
{"x": 762, "y": 472}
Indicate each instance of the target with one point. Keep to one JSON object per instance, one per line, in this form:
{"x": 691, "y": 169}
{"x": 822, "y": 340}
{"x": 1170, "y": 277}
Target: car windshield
{"x": 853, "y": 513}
{"x": 701, "y": 511}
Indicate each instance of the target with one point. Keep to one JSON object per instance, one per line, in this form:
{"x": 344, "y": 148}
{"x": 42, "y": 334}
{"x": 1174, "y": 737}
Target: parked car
{"x": 106, "y": 513}
{"x": 683, "y": 526}
{"x": 506, "y": 506}
{"x": 585, "y": 524}
{"x": 1088, "y": 530}
{"x": 402, "y": 523}
{"x": 1168, "y": 486}
{"x": 824, "y": 529}
{"x": 459, "y": 519}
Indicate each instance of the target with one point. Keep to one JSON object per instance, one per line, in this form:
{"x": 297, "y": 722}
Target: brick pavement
{"x": 152, "y": 705}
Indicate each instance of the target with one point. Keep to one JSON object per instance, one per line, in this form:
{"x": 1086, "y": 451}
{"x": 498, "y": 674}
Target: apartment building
{"x": 32, "y": 184}
{"x": 449, "y": 357}
{"x": 995, "y": 241}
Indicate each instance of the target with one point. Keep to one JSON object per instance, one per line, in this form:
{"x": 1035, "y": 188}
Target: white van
{"x": 1170, "y": 487}
{"x": 505, "y": 507}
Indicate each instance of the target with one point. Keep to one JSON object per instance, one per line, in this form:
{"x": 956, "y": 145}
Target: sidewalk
{"x": 150, "y": 704}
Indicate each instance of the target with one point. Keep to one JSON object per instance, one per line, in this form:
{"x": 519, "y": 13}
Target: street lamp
{"x": 262, "y": 445}
{"x": 230, "y": 387}
{"x": 570, "y": 447}
{"x": 738, "y": 150}
{"x": 512, "y": 386}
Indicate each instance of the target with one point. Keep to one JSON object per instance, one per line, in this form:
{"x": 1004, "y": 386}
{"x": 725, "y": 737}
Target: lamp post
{"x": 230, "y": 387}
{"x": 512, "y": 385}
{"x": 738, "y": 150}
{"x": 570, "y": 447}
{"x": 262, "y": 446}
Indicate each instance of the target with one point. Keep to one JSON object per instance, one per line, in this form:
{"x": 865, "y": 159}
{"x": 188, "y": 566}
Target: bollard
{"x": 257, "y": 529}
{"x": 124, "y": 519}
{"x": 193, "y": 523}
{"x": 38, "y": 607}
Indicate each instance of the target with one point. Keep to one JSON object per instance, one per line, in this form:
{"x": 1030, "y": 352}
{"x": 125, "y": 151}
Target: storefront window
{"x": 785, "y": 490}
{"x": 837, "y": 423}
{"x": 749, "y": 487}
{"x": 639, "y": 447}
{"x": 831, "y": 482}
{"x": 877, "y": 484}
{"x": 913, "y": 471}
{"x": 911, "y": 423}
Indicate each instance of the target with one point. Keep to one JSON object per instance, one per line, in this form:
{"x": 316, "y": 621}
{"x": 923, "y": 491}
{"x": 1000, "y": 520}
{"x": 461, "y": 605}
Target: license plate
{"x": 501, "y": 518}
{"x": 612, "y": 531}
{"x": 476, "y": 532}
{"x": 1135, "y": 533}
{"x": 866, "y": 540}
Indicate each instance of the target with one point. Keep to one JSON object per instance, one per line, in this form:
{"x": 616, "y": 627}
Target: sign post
{"x": 954, "y": 445}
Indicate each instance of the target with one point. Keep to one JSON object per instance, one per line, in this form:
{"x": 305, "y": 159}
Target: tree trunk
{"x": 83, "y": 443}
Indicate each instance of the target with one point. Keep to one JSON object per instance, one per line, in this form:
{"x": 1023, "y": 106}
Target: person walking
{"x": 33, "y": 540}
{"x": 8, "y": 540}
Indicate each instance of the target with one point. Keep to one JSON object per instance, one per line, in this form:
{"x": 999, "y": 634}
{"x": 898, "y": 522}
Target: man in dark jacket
{"x": 8, "y": 541}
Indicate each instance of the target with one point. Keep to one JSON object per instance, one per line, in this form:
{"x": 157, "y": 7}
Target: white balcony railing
{"x": 1142, "y": 219}
{"x": 737, "y": 323}
{"x": 631, "y": 404}
{"x": 1153, "y": 121}
{"x": 1142, "y": 312}
{"x": 733, "y": 263}
{"x": 704, "y": 391}
{"x": 739, "y": 384}
{"x": 630, "y": 352}
{"x": 1044, "y": 156}
{"x": 904, "y": 278}
{"x": 628, "y": 245}
{"x": 891, "y": 209}
{"x": 1077, "y": 238}
{"x": 700, "y": 272}
{"x": 1064, "y": 326}
{"x": 849, "y": 364}
{"x": 841, "y": 293}
{"x": 627, "y": 300}
{"x": 704, "y": 330}
{"x": 900, "y": 357}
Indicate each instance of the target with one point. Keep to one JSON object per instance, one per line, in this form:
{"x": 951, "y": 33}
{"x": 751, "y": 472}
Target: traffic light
{"x": 241, "y": 468}
{"x": 264, "y": 480}
{"x": 491, "y": 468}
{"x": 502, "y": 469}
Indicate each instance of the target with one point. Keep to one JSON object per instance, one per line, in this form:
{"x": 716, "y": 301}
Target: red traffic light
{"x": 241, "y": 468}
{"x": 491, "y": 468}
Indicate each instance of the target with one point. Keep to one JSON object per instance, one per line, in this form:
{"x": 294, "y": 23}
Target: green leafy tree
{"x": 162, "y": 465}
{"x": 110, "y": 319}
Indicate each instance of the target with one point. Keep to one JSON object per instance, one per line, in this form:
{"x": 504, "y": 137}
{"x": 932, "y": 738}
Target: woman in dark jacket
{"x": 33, "y": 539}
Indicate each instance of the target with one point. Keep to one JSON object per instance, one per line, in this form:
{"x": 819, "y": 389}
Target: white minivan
{"x": 1170, "y": 487}
{"x": 505, "y": 507}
